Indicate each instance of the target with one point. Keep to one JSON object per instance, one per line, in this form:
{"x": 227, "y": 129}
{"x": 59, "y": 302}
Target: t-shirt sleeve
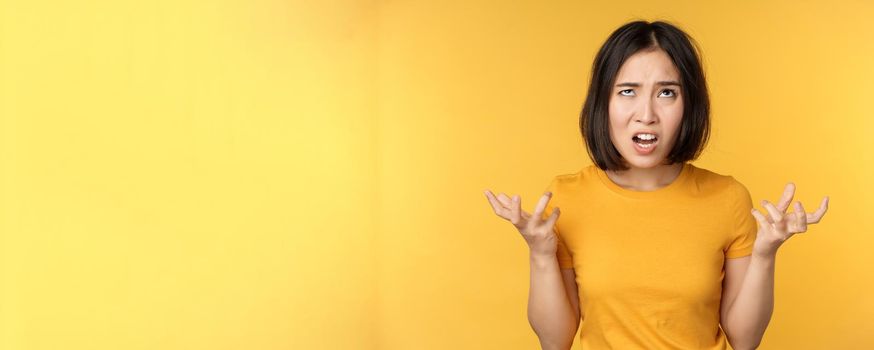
{"x": 744, "y": 230}
{"x": 565, "y": 261}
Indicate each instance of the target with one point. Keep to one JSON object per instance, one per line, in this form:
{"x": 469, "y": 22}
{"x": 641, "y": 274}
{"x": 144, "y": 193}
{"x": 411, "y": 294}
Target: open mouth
{"x": 645, "y": 140}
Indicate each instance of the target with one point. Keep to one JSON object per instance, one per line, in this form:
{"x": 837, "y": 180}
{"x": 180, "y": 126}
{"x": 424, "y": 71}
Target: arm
{"x": 551, "y": 313}
{"x": 748, "y": 313}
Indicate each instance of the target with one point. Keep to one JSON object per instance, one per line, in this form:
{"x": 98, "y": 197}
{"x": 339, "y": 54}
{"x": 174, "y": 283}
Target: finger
{"x": 788, "y": 192}
{"x": 763, "y": 221}
{"x": 515, "y": 209}
{"x": 776, "y": 215}
{"x": 525, "y": 215}
{"x": 541, "y": 205}
{"x": 499, "y": 208}
{"x": 505, "y": 200}
{"x": 553, "y": 217}
{"x": 815, "y": 217}
{"x": 800, "y": 216}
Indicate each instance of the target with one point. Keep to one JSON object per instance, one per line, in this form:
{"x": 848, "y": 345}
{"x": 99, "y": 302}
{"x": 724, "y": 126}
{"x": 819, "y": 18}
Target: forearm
{"x": 549, "y": 310}
{"x": 751, "y": 311}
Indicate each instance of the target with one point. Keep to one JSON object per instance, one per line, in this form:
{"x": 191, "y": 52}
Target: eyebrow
{"x": 662, "y": 83}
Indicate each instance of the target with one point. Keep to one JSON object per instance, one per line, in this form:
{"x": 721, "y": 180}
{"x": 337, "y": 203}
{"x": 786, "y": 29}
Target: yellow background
{"x": 309, "y": 174}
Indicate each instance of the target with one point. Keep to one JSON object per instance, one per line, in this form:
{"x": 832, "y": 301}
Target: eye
{"x": 630, "y": 92}
{"x": 672, "y": 92}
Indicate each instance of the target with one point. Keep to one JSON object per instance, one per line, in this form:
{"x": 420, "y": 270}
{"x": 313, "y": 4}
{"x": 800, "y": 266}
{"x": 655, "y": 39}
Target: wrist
{"x": 765, "y": 256}
{"x": 765, "y": 250}
{"x": 542, "y": 259}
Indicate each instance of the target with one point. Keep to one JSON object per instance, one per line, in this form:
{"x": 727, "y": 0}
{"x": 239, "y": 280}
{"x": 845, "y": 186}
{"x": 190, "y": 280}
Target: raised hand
{"x": 539, "y": 234}
{"x": 778, "y": 225}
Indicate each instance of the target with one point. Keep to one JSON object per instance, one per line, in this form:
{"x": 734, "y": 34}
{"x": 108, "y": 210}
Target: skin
{"x": 646, "y": 96}
{"x": 748, "y": 287}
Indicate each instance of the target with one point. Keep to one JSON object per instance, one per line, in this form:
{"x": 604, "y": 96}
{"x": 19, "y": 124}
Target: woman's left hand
{"x": 779, "y": 225}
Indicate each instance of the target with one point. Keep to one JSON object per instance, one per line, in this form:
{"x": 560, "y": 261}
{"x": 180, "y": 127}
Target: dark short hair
{"x": 625, "y": 41}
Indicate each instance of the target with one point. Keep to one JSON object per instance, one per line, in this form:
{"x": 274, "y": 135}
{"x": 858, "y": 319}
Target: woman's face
{"x": 646, "y": 98}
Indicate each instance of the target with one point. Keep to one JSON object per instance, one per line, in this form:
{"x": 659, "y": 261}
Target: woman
{"x": 654, "y": 253}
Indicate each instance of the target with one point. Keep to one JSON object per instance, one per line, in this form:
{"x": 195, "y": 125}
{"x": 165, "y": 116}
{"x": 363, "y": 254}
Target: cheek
{"x": 617, "y": 112}
{"x": 676, "y": 109}
{"x": 677, "y": 114}
{"x": 618, "y": 109}
{"x": 671, "y": 118}
{"x": 671, "y": 113}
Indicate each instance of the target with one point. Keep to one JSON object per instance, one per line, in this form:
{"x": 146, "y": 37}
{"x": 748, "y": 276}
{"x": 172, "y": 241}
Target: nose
{"x": 647, "y": 113}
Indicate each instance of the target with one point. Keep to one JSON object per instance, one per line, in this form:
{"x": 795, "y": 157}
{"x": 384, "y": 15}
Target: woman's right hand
{"x": 539, "y": 234}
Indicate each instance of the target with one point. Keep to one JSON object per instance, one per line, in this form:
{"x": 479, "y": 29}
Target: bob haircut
{"x": 627, "y": 40}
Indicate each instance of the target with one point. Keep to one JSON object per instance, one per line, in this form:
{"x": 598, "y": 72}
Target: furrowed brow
{"x": 662, "y": 83}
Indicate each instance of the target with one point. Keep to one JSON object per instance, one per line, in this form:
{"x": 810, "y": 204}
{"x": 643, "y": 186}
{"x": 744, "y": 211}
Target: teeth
{"x": 645, "y": 136}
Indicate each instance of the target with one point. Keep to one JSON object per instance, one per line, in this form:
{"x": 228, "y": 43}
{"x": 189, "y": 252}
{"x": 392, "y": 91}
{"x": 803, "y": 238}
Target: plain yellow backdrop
{"x": 309, "y": 174}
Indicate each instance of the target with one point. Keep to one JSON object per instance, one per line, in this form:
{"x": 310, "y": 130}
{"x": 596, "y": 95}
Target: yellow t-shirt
{"x": 649, "y": 264}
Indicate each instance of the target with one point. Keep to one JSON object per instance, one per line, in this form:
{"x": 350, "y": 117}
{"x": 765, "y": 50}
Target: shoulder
{"x": 565, "y": 181}
{"x": 725, "y": 188}
{"x": 717, "y": 183}
{"x": 568, "y": 186}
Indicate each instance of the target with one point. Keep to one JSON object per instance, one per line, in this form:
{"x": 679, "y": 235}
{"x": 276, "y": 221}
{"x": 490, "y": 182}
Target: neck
{"x": 646, "y": 179}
